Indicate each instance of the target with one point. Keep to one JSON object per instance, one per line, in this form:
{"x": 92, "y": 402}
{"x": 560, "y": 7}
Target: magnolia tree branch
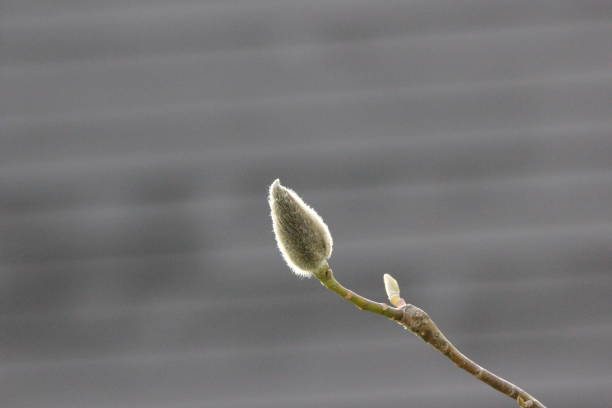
{"x": 417, "y": 321}
{"x": 306, "y": 245}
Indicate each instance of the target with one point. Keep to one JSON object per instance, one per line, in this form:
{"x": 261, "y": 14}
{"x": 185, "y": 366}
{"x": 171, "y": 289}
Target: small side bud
{"x": 302, "y": 237}
{"x": 393, "y": 291}
{"x": 391, "y": 286}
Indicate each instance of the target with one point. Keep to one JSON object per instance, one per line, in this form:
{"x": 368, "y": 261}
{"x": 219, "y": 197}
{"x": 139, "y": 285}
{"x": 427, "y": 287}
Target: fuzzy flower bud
{"x": 302, "y": 236}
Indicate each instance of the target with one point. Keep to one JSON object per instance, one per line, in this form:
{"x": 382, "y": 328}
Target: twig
{"x": 417, "y": 321}
{"x": 306, "y": 245}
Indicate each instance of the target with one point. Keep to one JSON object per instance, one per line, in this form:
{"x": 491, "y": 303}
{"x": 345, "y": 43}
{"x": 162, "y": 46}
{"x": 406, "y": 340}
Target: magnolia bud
{"x": 393, "y": 291}
{"x": 391, "y": 286}
{"x": 302, "y": 236}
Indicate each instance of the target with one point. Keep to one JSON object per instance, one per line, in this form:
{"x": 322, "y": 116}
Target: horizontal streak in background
{"x": 285, "y": 78}
{"x": 423, "y": 396}
{"x": 437, "y": 209}
{"x": 523, "y": 254}
{"x": 365, "y": 54}
{"x": 462, "y": 145}
{"x": 173, "y": 328}
{"x": 335, "y": 369}
{"x": 399, "y": 111}
{"x": 444, "y": 157}
{"x": 122, "y": 31}
{"x": 589, "y": 190}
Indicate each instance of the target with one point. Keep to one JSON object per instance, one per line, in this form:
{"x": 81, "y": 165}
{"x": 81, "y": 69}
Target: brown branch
{"x": 417, "y": 321}
{"x": 306, "y": 245}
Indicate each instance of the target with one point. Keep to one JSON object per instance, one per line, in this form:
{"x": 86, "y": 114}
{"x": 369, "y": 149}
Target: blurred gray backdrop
{"x": 464, "y": 146}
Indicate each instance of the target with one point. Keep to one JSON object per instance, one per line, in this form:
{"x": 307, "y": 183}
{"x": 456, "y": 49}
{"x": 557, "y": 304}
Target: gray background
{"x": 464, "y": 146}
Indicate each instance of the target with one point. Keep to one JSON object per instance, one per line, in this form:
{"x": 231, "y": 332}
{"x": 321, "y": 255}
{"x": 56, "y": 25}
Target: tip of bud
{"x": 391, "y": 286}
{"x": 302, "y": 237}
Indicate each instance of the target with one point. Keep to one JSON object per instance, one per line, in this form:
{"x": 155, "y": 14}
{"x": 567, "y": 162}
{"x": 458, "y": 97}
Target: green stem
{"x": 328, "y": 280}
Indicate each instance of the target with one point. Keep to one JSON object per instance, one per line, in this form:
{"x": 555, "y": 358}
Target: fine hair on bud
{"x": 302, "y": 237}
